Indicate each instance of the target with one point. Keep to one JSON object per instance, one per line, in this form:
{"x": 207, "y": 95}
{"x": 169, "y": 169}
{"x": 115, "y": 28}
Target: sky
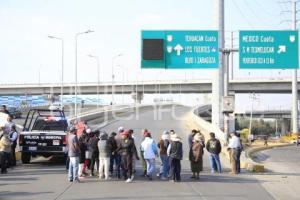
{"x": 27, "y": 55}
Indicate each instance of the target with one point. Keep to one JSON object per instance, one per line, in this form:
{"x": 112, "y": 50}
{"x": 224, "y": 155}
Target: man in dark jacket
{"x": 135, "y": 153}
{"x": 126, "y": 150}
{"x": 112, "y": 145}
{"x": 214, "y": 148}
{"x": 93, "y": 148}
{"x": 175, "y": 153}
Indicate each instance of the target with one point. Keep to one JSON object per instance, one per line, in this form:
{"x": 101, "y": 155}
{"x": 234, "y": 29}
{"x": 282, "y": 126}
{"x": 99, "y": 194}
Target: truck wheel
{"x": 25, "y": 157}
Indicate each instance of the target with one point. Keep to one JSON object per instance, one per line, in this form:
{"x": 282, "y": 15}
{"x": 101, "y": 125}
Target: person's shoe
{"x": 132, "y": 177}
{"x": 128, "y": 180}
{"x": 197, "y": 178}
{"x": 77, "y": 181}
{"x": 164, "y": 178}
{"x": 70, "y": 181}
{"x": 158, "y": 174}
{"x": 192, "y": 177}
{"x": 91, "y": 175}
{"x": 149, "y": 178}
{"x": 232, "y": 173}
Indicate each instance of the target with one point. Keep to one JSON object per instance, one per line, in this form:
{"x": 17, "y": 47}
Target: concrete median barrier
{"x": 206, "y": 127}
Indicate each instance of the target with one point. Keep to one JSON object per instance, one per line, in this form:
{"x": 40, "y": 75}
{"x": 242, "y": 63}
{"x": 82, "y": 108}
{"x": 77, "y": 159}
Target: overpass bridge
{"x": 149, "y": 87}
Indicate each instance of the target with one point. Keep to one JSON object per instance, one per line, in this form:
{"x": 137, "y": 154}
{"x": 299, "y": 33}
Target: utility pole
{"x": 217, "y": 85}
{"x": 231, "y": 64}
{"x": 252, "y": 97}
{"x": 294, "y": 78}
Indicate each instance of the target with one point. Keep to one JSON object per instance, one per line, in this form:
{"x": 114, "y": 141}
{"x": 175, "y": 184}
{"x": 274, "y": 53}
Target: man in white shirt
{"x": 233, "y": 146}
{"x": 8, "y": 125}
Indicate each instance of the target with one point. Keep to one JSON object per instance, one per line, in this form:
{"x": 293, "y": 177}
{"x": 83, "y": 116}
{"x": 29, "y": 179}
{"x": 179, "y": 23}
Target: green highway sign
{"x": 268, "y": 50}
{"x": 180, "y": 49}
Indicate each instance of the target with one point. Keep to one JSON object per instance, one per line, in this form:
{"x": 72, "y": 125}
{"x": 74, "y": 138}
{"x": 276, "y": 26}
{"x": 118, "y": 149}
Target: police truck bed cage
{"x": 45, "y": 119}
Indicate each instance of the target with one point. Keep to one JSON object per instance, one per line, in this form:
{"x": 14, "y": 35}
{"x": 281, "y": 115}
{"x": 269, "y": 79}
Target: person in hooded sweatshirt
{"x": 149, "y": 149}
{"x": 104, "y": 154}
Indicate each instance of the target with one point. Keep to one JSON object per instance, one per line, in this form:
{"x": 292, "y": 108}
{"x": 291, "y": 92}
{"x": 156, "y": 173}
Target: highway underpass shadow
{"x": 185, "y": 178}
{"x": 7, "y": 194}
{"x": 273, "y": 173}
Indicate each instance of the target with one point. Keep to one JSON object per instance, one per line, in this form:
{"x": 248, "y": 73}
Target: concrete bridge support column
{"x": 137, "y": 97}
{"x": 284, "y": 126}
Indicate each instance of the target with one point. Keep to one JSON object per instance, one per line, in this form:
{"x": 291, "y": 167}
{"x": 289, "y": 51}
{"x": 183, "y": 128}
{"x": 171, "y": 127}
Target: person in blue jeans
{"x": 149, "y": 149}
{"x": 73, "y": 153}
{"x": 165, "y": 160}
{"x": 214, "y": 148}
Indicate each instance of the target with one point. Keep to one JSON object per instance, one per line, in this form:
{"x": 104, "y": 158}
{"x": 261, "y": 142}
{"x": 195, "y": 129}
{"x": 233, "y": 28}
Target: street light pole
{"x": 98, "y": 77}
{"x": 76, "y": 81}
{"x": 113, "y": 77}
{"x": 294, "y": 77}
{"x": 62, "y": 69}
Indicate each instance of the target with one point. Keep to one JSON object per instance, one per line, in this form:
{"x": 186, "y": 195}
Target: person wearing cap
{"x": 196, "y": 156}
{"x": 234, "y": 144}
{"x": 213, "y": 146}
{"x": 112, "y": 146}
{"x": 149, "y": 149}
{"x": 104, "y": 153}
{"x": 163, "y": 146}
{"x": 74, "y": 152}
{"x": 175, "y": 152}
{"x": 126, "y": 150}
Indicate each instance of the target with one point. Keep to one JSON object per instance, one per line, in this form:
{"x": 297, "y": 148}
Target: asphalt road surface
{"x": 282, "y": 178}
{"x": 48, "y": 180}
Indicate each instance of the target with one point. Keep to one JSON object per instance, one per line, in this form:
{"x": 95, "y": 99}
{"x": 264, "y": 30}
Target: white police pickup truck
{"x": 44, "y": 134}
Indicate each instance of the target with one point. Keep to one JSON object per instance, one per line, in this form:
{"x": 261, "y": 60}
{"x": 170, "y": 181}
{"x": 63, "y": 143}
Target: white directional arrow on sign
{"x": 178, "y": 48}
{"x": 282, "y": 49}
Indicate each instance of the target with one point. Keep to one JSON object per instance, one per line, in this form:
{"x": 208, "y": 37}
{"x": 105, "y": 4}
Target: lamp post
{"x": 62, "y": 69}
{"x": 98, "y": 76}
{"x": 113, "y": 77}
{"x": 76, "y": 83}
{"x": 123, "y": 80}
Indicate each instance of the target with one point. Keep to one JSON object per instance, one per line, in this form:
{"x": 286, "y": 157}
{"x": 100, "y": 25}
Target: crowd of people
{"x": 8, "y": 142}
{"x": 115, "y": 154}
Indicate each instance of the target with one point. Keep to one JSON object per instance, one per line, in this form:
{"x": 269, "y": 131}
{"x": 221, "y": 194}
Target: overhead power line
{"x": 242, "y": 14}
